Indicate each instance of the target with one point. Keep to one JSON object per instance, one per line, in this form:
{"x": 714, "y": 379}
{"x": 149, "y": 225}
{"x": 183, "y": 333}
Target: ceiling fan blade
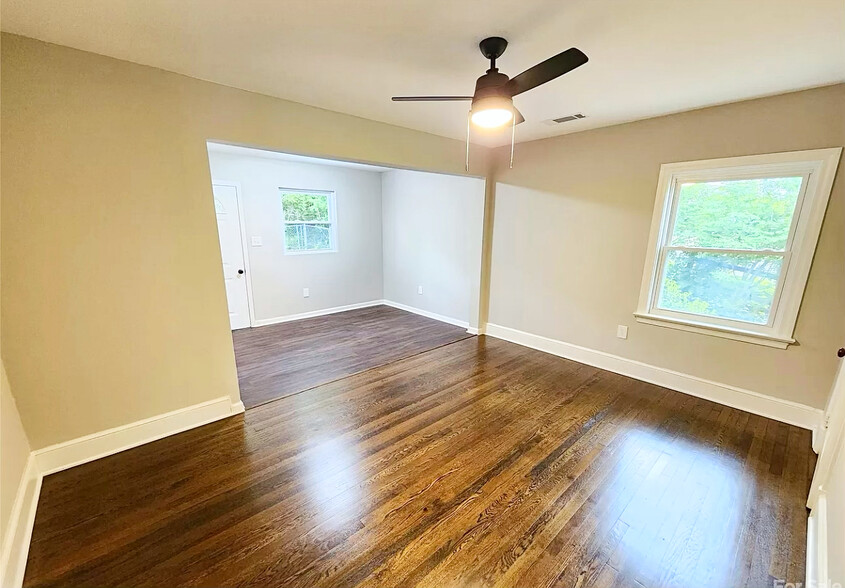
{"x": 429, "y": 98}
{"x": 518, "y": 115}
{"x": 546, "y": 71}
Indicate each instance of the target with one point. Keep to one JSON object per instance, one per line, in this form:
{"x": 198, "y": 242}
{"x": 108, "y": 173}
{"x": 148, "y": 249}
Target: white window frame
{"x": 817, "y": 167}
{"x": 332, "y": 202}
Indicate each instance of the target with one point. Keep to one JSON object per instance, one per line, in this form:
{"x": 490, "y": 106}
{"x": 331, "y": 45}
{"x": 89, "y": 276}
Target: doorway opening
{"x": 332, "y": 268}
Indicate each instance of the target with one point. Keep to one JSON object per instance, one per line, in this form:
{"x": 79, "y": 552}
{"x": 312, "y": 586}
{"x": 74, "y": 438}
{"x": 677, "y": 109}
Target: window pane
{"x": 308, "y": 237}
{"x": 739, "y": 286}
{"x": 305, "y": 207}
{"x": 736, "y": 214}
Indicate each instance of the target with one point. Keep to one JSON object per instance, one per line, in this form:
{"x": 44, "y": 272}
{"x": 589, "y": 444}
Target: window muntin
{"x": 309, "y": 221}
{"x": 732, "y": 241}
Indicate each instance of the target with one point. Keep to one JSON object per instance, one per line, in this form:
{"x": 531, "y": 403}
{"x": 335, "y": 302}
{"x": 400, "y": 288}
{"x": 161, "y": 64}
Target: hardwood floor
{"x": 283, "y": 359}
{"x": 479, "y": 463}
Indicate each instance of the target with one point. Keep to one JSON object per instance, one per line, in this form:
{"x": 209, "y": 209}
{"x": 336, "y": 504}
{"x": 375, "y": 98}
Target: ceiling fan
{"x": 492, "y": 104}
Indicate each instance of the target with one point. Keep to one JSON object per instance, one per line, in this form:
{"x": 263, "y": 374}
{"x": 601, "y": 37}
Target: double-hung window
{"x": 310, "y": 224}
{"x": 732, "y": 241}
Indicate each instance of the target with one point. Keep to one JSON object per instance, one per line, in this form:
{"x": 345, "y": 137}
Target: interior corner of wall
{"x": 497, "y": 161}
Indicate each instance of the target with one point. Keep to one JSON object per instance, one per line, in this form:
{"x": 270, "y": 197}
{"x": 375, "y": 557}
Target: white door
{"x": 231, "y": 249}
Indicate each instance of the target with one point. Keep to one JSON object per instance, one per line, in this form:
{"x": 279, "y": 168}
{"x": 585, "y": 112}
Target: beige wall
{"x": 113, "y": 306}
{"x": 571, "y": 228}
{"x": 14, "y": 452}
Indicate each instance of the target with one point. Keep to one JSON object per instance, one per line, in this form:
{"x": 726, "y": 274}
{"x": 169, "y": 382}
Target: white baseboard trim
{"x": 19, "y": 530}
{"x": 314, "y": 313}
{"x": 428, "y": 314}
{"x": 71, "y": 453}
{"x": 333, "y": 310}
{"x": 778, "y": 409}
{"x": 75, "y": 452}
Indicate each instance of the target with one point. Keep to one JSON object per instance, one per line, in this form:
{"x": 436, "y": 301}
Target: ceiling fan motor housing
{"x": 490, "y": 84}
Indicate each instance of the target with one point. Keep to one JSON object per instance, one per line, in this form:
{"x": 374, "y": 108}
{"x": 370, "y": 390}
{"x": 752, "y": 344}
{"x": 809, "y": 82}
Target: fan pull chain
{"x": 513, "y": 131}
{"x": 466, "y": 165}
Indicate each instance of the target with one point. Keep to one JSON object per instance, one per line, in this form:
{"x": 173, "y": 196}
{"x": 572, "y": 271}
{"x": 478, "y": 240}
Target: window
{"x": 732, "y": 241}
{"x": 309, "y": 221}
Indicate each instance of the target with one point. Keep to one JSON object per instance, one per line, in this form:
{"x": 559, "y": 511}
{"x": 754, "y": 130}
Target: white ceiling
{"x": 647, "y": 57}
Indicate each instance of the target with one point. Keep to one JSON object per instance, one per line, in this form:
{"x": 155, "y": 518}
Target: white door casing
{"x": 226, "y": 206}
{"x": 827, "y": 496}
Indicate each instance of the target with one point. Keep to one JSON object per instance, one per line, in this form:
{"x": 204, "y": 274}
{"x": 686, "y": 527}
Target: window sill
{"x": 714, "y": 331}
{"x": 312, "y": 252}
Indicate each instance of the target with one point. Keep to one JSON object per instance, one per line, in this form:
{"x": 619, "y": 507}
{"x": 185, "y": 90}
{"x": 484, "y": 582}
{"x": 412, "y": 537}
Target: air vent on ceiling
{"x": 564, "y": 119}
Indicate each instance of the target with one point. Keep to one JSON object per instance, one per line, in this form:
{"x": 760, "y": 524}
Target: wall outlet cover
{"x": 256, "y": 241}
{"x": 622, "y": 331}
{"x": 305, "y": 293}
{"x": 419, "y": 289}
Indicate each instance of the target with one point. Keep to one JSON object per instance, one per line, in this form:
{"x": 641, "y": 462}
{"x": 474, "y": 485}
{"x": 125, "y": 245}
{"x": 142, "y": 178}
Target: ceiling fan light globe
{"x": 492, "y": 118}
{"x": 492, "y": 112}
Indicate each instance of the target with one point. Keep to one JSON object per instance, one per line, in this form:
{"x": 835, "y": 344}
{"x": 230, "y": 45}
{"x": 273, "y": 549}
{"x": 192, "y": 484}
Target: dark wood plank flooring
{"x": 279, "y": 360}
{"x": 479, "y": 463}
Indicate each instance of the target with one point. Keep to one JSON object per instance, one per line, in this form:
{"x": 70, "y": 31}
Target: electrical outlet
{"x": 622, "y": 331}
{"x": 305, "y": 293}
{"x": 256, "y": 241}
{"x": 419, "y": 289}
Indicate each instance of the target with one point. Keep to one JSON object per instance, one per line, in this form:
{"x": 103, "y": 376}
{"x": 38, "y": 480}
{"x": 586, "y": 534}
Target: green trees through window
{"x": 308, "y": 221}
{"x": 726, "y": 247}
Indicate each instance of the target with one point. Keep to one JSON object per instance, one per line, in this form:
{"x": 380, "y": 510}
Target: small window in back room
{"x": 310, "y": 221}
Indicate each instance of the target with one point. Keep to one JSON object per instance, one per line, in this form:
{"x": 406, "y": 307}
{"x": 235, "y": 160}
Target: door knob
{"x": 841, "y": 352}
{"x": 242, "y": 271}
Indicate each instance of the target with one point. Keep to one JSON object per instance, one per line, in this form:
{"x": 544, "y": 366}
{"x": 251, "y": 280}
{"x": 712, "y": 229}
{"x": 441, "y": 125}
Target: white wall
{"x": 432, "y": 238}
{"x": 350, "y": 275}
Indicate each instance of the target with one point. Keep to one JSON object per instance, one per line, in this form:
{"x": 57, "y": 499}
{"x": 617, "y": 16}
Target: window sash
{"x": 727, "y": 176}
{"x": 715, "y": 319}
{"x": 672, "y": 202}
{"x": 329, "y": 196}
{"x": 331, "y": 222}
{"x": 303, "y": 237}
{"x": 818, "y": 166}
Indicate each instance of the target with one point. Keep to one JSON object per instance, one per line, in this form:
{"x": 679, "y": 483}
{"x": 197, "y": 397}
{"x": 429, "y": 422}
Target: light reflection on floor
{"x": 662, "y": 529}
{"x": 332, "y": 476}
